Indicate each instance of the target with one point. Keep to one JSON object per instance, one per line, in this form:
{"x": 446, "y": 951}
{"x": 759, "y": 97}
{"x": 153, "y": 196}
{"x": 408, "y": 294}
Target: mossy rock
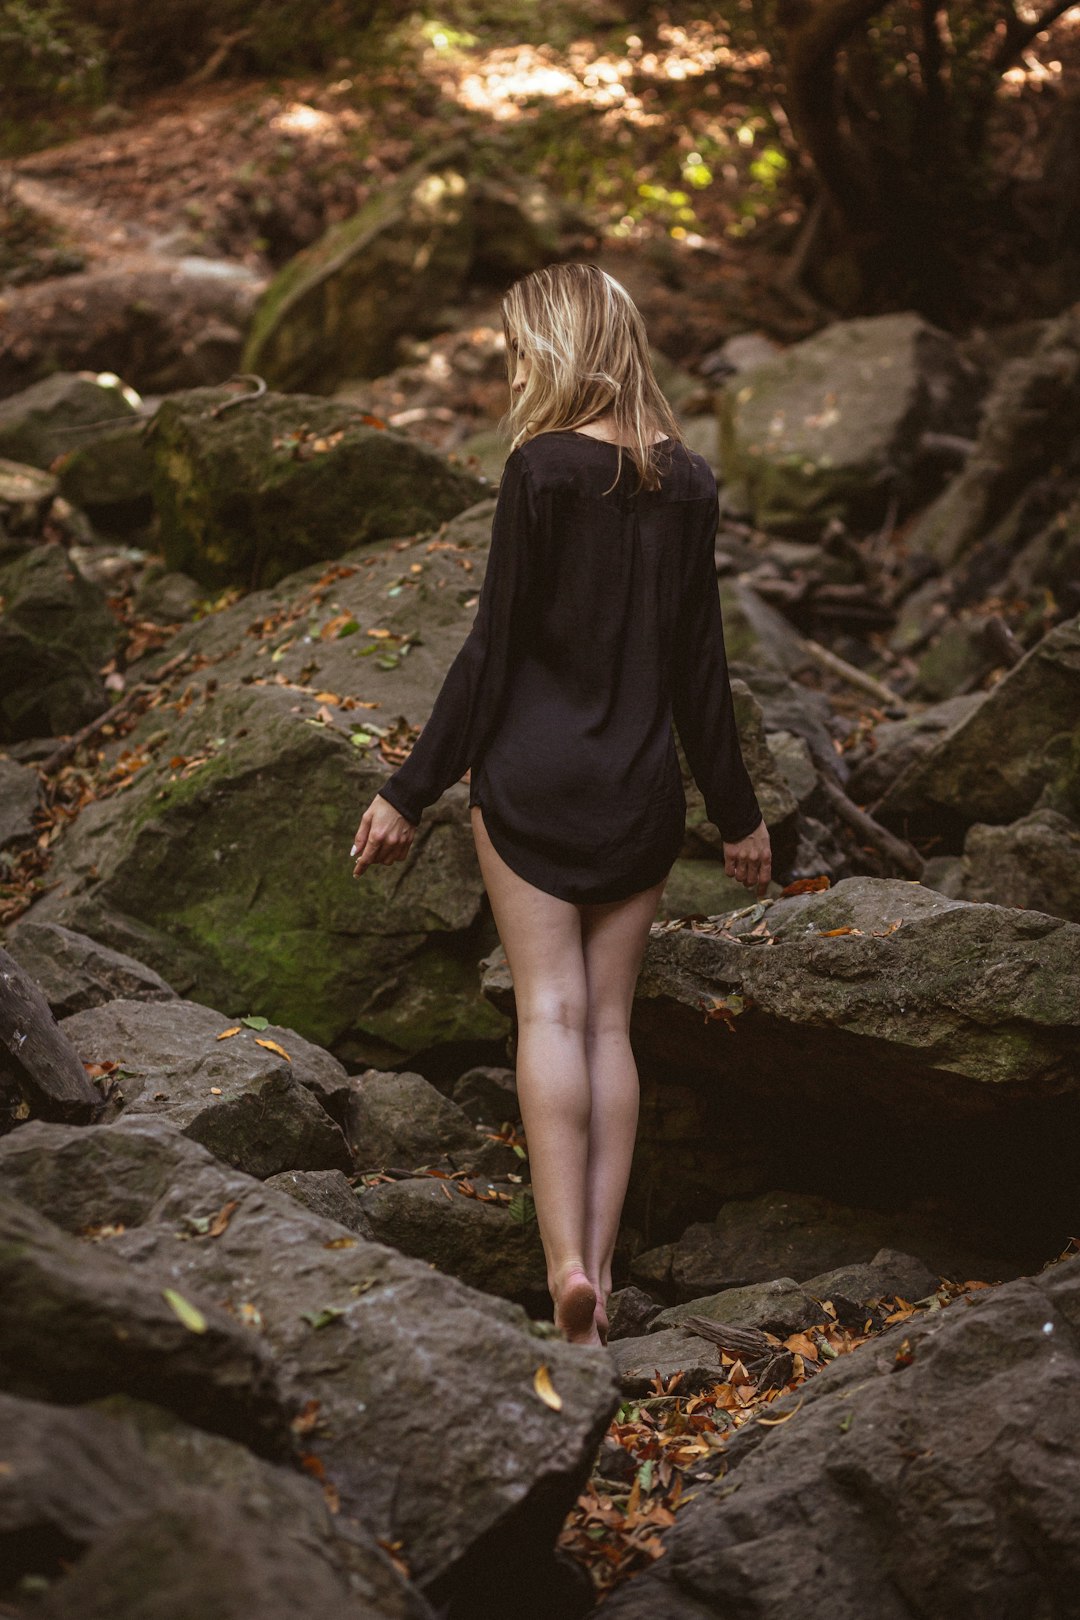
{"x": 337, "y": 309}
{"x": 829, "y": 426}
{"x": 251, "y": 494}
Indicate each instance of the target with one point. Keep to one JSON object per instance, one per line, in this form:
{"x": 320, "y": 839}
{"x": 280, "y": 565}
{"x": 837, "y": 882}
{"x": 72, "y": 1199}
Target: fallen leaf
{"x": 253, "y": 1021}
{"x": 225, "y": 1034}
{"x": 770, "y": 1423}
{"x": 222, "y": 1218}
{"x": 272, "y": 1046}
{"x": 189, "y": 1314}
{"x": 323, "y": 1318}
{"x": 546, "y": 1389}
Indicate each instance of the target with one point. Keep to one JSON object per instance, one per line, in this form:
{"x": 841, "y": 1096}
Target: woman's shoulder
{"x": 561, "y": 456}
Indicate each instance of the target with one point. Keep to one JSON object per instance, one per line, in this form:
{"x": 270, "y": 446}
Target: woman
{"x": 598, "y": 623}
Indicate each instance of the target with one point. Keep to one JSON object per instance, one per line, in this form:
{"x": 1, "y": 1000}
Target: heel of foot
{"x": 577, "y": 1303}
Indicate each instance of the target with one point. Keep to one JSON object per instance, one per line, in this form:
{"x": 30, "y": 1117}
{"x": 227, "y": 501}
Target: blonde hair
{"x": 589, "y": 355}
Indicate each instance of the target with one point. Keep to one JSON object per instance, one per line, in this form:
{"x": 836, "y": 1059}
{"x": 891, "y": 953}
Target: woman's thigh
{"x": 614, "y": 935}
{"x": 540, "y": 934}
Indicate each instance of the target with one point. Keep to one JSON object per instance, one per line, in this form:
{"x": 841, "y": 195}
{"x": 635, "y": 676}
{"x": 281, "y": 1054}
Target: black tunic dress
{"x": 598, "y": 624}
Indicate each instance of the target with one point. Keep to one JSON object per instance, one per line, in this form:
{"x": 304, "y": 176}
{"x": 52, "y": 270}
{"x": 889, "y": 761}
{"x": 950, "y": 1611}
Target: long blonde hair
{"x": 589, "y": 354}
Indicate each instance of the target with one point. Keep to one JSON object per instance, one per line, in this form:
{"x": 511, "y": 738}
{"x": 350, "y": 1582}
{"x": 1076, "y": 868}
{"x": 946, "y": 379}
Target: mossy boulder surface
{"x": 825, "y": 429}
{"x": 224, "y": 865}
{"x": 248, "y": 495}
{"x": 337, "y": 309}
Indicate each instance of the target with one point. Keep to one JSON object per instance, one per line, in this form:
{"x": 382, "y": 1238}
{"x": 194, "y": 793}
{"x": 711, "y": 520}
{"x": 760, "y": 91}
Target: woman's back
{"x": 598, "y": 624}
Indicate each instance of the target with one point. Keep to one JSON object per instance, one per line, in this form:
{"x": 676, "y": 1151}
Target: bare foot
{"x": 575, "y": 1303}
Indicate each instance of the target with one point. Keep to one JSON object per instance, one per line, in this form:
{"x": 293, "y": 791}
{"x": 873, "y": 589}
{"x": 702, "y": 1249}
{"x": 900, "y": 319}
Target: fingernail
{"x": 353, "y": 850}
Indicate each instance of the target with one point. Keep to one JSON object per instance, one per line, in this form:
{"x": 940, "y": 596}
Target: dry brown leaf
{"x": 222, "y": 1218}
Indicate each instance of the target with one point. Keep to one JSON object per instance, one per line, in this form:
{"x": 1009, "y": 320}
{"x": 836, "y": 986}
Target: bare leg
{"x": 614, "y": 938}
{"x": 541, "y": 936}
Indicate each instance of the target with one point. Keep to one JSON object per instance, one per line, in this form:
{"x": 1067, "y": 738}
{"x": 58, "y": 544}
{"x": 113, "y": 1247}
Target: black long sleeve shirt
{"x": 598, "y": 625}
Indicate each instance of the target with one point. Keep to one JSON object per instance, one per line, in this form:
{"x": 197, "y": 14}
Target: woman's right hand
{"x": 750, "y": 860}
{"x": 384, "y": 835}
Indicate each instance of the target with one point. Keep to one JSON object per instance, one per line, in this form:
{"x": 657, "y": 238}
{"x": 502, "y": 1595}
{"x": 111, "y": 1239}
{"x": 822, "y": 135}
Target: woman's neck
{"x": 603, "y": 427}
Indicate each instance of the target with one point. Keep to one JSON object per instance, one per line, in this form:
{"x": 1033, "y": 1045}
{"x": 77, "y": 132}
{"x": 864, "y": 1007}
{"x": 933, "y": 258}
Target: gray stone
{"x": 165, "y": 1520}
{"x": 994, "y": 763}
{"x": 401, "y": 1121}
{"x": 40, "y": 1071}
{"x": 75, "y": 972}
{"x": 1026, "y": 425}
{"x": 888, "y": 1492}
{"x": 376, "y": 1338}
{"x": 339, "y": 306}
{"x": 79, "y": 1322}
{"x": 1033, "y": 863}
{"x": 193, "y": 869}
{"x": 253, "y": 1108}
{"x": 728, "y": 1268}
{"x": 778, "y": 1306}
{"x": 55, "y": 633}
{"x": 890, "y": 1273}
{"x": 630, "y": 1310}
{"x": 327, "y": 1193}
{"x": 477, "y": 1238}
{"x": 488, "y": 1095}
{"x": 20, "y": 787}
{"x": 676, "y": 1350}
{"x": 827, "y": 428}
{"x": 896, "y": 744}
{"x": 36, "y": 423}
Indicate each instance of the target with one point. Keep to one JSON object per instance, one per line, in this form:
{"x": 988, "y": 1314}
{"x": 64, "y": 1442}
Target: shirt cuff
{"x": 401, "y": 802}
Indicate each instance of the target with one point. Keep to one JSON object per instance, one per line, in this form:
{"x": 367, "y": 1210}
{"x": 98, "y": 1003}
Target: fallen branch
{"x": 855, "y": 677}
{"x": 897, "y": 850}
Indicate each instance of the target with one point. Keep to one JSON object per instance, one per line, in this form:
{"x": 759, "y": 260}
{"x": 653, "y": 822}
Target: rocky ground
{"x": 267, "y": 1221}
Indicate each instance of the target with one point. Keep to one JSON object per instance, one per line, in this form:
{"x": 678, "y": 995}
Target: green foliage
{"x": 48, "y": 57}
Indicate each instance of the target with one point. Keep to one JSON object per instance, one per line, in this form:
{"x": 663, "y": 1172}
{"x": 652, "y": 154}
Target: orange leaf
{"x": 272, "y": 1046}
{"x": 546, "y": 1389}
{"x": 222, "y": 1218}
{"x": 327, "y": 697}
{"x": 235, "y": 1030}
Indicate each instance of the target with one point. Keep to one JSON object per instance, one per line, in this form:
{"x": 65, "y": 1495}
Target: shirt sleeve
{"x": 467, "y": 706}
{"x": 701, "y": 700}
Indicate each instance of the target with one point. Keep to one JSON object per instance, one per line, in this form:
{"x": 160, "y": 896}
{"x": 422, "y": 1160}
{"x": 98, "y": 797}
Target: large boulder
{"x": 483, "y": 1233}
{"x": 74, "y": 972}
{"x": 196, "y": 869}
{"x": 375, "y": 1338}
{"x": 55, "y": 633}
{"x": 1006, "y": 755}
{"x": 889, "y": 1490}
{"x": 781, "y": 1044}
{"x": 78, "y": 1322}
{"x": 258, "y": 1099}
{"x": 119, "y": 1510}
{"x": 20, "y": 789}
{"x": 54, "y": 416}
{"x": 339, "y": 306}
{"x": 1033, "y": 863}
{"x": 752, "y": 1241}
{"x": 247, "y": 495}
{"x": 830, "y": 427}
{"x": 397, "y": 1119}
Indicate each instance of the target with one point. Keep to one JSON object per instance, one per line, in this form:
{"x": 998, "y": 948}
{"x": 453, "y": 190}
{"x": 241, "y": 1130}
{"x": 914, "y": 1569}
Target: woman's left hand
{"x": 383, "y": 836}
